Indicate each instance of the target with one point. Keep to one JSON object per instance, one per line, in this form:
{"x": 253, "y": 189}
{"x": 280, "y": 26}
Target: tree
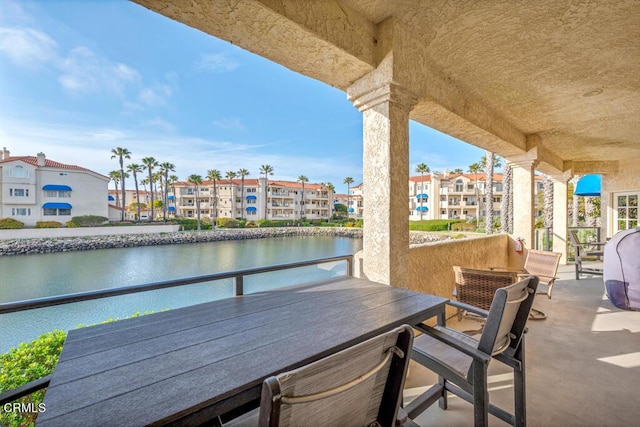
{"x": 165, "y": 168}
{"x": 348, "y": 180}
{"x": 242, "y": 173}
{"x": 422, "y": 168}
{"x": 457, "y": 171}
{"x": 475, "y": 169}
{"x": 121, "y": 154}
{"x": 171, "y": 183}
{"x": 575, "y": 204}
{"x": 266, "y": 170}
{"x": 490, "y": 162}
{"x": 115, "y": 177}
{"x": 135, "y": 169}
{"x": 302, "y": 179}
{"x": 547, "y": 185}
{"x": 196, "y": 180}
{"x": 214, "y": 175}
{"x": 506, "y": 208}
{"x": 150, "y": 164}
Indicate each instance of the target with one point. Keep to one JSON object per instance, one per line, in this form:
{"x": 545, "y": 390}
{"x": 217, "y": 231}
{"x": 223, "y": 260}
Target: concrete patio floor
{"x": 583, "y": 364}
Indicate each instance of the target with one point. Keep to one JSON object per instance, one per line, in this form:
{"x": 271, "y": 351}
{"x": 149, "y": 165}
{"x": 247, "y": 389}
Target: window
{"x": 459, "y": 186}
{"x": 50, "y": 212}
{"x": 625, "y": 210}
{"x": 470, "y": 187}
{"x": 21, "y": 211}
{"x": 18, "y": 172}
{"x": 56, "y": 212}
{"x": 56, "y": 193}
{"x": 499, "y": 186}
{"x": 18, "y": 192}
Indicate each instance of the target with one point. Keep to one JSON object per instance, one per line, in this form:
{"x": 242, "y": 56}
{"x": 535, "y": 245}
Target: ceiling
{"x": 558, "y": 77}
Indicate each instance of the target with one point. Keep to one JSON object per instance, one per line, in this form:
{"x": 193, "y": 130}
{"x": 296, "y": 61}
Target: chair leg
{"x": 442, "y": 402}
{"x": 480, "y": 394}
{"x": 519, "y": 388}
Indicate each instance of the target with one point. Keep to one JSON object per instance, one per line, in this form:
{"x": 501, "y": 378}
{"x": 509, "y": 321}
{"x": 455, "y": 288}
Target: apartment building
{"x": 282, "y": 200}
{"x": 34, "y": 188}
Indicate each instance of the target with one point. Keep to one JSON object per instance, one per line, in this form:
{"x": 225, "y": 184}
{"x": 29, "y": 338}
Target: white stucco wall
{"x": 34, "y": 233}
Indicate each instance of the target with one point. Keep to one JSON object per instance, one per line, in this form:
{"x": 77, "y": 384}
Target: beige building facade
{"x": 34, "y": 188}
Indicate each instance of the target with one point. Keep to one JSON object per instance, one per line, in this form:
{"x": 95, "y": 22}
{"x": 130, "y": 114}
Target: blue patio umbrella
{"x": 589, "y": 185}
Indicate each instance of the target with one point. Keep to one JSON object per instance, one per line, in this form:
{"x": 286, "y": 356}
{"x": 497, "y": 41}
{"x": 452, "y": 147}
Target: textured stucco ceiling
{"x": 563, "y": 76}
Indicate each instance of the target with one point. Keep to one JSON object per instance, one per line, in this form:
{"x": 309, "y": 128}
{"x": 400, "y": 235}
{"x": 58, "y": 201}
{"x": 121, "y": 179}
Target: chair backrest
{"x": 358, "y": 386}
{"x": 542, "y": 264}
{"x": 477, "y": 287}
{"x": 508, "y": 317}
{"x": 573, "y": 236}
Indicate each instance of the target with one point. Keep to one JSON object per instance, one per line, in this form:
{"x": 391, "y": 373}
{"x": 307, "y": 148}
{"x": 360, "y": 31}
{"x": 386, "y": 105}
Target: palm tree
{"x": 475, "y": 168}
{"x": 266, "y": 170}
{"x": 115, "y": 177}
{"x": 422, "y": 168}
{"x": 547, "y": 185}
{"x": 575, "y": 204}
{"x": 196, "y": 180}
{"x": 302, "y": 179}
{"x": 150, "y": 163}
{"x": 457, "y": 171}
{"x": 242, "y": 173}
{"x": 121, "y": 154}
{"x": 348, "y": 180}
{"x": 506, "y": 207}
{"x": 165, "y": 168}
{"x": 135, "y": 169}
{"x": 214, "y": 175}
{"x": 490, "y": 162}
{"x": 172, "y": 181}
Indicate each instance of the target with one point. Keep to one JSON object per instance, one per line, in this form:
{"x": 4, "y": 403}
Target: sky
{"x": 79, "y": 78}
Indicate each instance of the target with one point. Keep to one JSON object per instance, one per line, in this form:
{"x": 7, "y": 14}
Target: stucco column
{"x": 524, "y": 220}
{"x": 560, "y": 214}
{"x": 385, "y": 109}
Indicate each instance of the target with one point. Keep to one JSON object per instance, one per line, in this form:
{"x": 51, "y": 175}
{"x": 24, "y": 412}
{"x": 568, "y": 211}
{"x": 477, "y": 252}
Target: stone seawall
{"x": 49, "y": 245}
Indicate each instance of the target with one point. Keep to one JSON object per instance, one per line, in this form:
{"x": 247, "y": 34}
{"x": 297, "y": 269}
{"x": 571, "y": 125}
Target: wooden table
{"x": 188, "y": 365}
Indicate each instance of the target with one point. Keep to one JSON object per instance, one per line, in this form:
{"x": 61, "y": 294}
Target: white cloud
{"x": 233, "y": 123}
{"x": 27, "y": 47}
{"x": 216, "y": 63}
{"x": 85, "y": 72}
{"x": 160, "y": 124}
{"x": 155, "y": 96}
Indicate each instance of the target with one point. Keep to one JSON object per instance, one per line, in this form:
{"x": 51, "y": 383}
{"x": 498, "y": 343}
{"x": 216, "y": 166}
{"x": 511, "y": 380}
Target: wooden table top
{"x": 190, "y": 364}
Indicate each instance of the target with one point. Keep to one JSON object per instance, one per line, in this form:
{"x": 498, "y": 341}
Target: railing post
{"x": 350, "y": 266}
{"x": 238, "y": 285}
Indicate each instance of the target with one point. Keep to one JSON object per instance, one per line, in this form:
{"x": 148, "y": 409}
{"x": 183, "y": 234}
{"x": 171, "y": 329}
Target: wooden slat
{"x": 177, "y": 369}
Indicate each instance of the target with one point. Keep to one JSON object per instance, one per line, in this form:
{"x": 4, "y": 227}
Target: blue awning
{"x": 251, "y": 208}
{"x": 170, "y": 197}
{"x": 422, "y": 196}
{"x": 422, "y": 208}
{"x": 171, "y": 208}
{"x": 351, "y": 210}
{"x": 589, "y": 185}
{"x": 251, "y": 197}
{"x": 111, "y": 198}
{"x": 52, "y": 205}
{"x": 54, "y": 187}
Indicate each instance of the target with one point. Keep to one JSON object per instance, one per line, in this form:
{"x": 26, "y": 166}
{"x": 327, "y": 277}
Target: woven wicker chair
{"x": 477, "y": 287}
{"x": 360, "y": 386}
{"x": 545, "y": 266}
{"x": 461, "y": 362}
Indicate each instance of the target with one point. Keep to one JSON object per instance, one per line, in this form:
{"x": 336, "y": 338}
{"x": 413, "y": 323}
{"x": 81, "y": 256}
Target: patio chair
{"x": 584, "y": 250}
{"x": 461, "y": 362}
{"x": 477, "y": 287}
{"x": 359, "y": 386}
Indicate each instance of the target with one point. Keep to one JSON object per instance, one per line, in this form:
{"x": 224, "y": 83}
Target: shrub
{"x": 434, "y": 224}
{"x": 250, "y": 224}
{"x": 264, "y": 223}
{"x": 463, "y": 226}
{"x": 229, "y": 223}
{"x": 25, "y": 363}
{"x": 48, "y": 224}
{"x": 70, "y": 224}
{"x": 89, "y": 220}
{"x": 10, "y": 223}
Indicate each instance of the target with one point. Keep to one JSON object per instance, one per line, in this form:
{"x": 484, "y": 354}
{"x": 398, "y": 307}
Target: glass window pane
{"x": 622, "y": 225}
{"x": 622, "y": 213}
{"x": 633, "y": 200}
{"x": 633, "y": 213}
{"x": 622, "y": 200}
{"x": 633, "y": 224}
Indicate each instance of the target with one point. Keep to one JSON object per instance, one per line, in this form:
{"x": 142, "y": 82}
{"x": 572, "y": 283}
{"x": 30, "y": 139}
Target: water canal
{"x": 34, "y": 276}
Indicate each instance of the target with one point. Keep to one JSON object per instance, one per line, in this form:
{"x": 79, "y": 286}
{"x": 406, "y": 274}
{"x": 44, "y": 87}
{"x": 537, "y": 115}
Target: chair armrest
{"x": 508, "y": 270}
{"x": 452, "y": 342}
{"x": 470, "y": 308}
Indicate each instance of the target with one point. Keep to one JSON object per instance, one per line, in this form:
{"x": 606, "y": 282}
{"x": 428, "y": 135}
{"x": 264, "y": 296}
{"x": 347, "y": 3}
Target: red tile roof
{"x": 32, "y": 160}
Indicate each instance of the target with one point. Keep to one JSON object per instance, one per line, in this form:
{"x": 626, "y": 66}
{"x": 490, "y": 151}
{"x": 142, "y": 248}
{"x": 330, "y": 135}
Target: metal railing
{"x": 237, "y": 276}
{"x": 544, "y": 238}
